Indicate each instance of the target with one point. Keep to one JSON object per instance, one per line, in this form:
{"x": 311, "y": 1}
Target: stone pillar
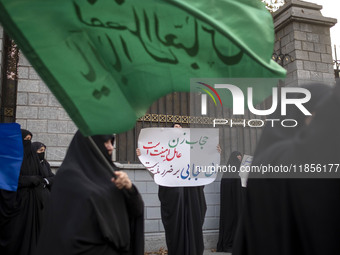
{"x": 304, "y": 33}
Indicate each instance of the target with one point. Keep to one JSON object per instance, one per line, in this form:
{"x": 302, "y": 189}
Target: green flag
{"x": 106, "y": 61}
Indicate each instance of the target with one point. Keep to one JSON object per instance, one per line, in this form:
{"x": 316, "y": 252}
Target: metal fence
{"x": 175, "y": 108}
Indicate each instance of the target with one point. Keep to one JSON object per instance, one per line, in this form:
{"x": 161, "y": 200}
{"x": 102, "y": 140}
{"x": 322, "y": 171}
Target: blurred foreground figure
{"x": 287, "y": 214}
{"x": 21, "y": 211}
{"x": 92, "y": 210}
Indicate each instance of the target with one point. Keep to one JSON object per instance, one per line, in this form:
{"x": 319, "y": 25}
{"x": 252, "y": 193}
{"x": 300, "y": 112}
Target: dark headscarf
{"x": 30, "y": 164}
{"x": 100, "y": 140}
{"x": 26, "y": 143}
{"x": 233, "y": 160}
{"x": 37, "y": 145}
{"x": 25, "y": 132}
{"x": 46, "y": 171}
{"x": 97, "y": 213}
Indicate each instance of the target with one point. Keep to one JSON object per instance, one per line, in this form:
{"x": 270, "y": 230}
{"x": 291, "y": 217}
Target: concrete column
{"x": 304, "y": 33}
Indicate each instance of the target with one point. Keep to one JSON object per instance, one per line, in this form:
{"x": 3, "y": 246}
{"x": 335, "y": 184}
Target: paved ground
{"x": 209, "y": 252}
{"x": 206, "y": 252}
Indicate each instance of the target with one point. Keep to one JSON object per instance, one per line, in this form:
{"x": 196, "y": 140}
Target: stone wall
{"x": 40, "y": 112}
{"x": 302, "y": 32}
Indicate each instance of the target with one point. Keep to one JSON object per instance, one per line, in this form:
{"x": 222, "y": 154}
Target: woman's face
{"x": 239, "y": 157}
{"x": 109, "y": 146}
{"x": 41, "y": 149}
{"x": 177, "y": 126}
{"x": 28, "y": 137}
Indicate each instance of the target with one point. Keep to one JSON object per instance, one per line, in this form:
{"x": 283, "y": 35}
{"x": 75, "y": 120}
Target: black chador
{"x": 88, "y": 214}
{"x": 21, "y": 212}
{"x": 298, "y": 215}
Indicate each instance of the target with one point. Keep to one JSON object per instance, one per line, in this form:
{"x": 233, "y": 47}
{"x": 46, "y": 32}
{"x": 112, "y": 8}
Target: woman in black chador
{"x": 92, "y": 210}
{"x": 290, "y": 213}
{"x": 230, "y": 204}
{"x": 21, "y": 211}
{"x": 183, "y": 210}
{"x": 47, "y": 174}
